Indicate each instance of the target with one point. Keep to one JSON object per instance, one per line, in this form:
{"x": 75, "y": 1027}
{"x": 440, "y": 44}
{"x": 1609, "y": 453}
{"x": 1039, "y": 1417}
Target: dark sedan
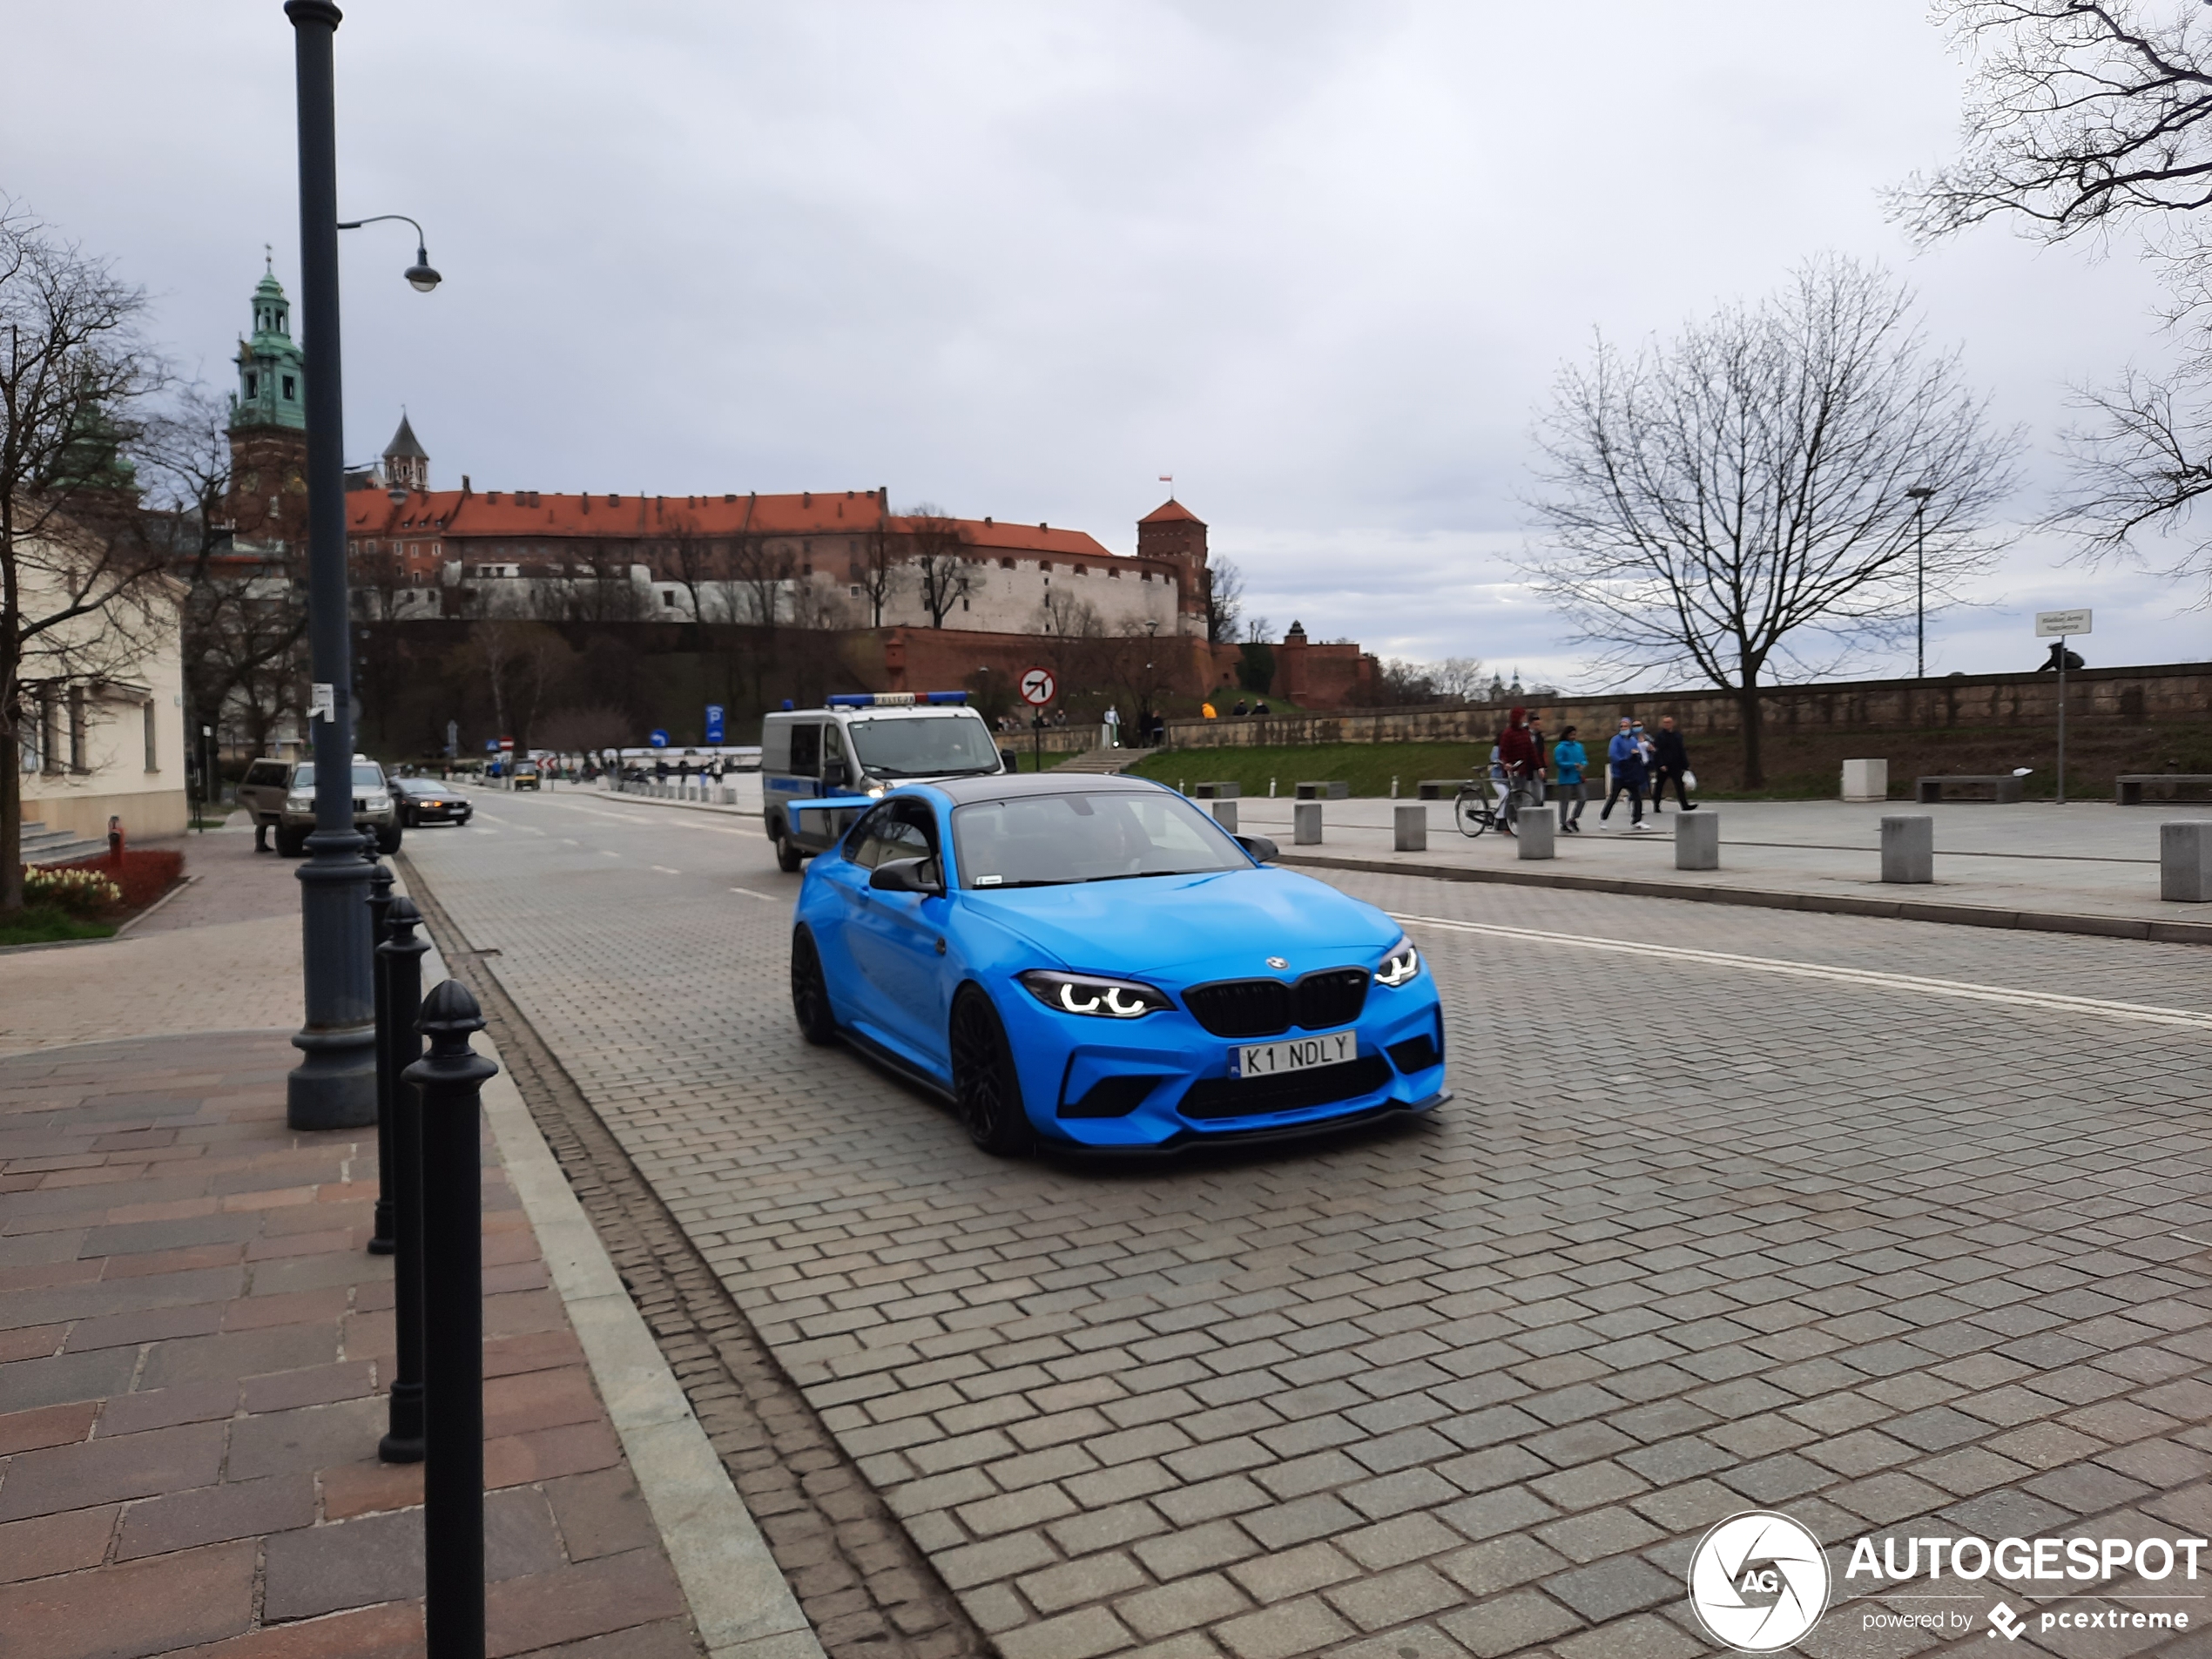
{"x": 425, "y": 800}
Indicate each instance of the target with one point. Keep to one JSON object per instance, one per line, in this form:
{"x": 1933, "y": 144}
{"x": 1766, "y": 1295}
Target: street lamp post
{"x": 1921, "y": 493}
{"x": 335, "y": 1085}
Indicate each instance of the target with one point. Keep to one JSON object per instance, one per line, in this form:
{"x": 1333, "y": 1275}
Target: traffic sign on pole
{"x": 714, "y": 723}
{"x": 1037, "y": 686}
{"x": 657, "y": 739}
{"x": 2057, "y": 625}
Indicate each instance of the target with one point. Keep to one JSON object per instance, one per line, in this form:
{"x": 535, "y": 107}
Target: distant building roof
{"x": 1170, "y": 512}
{"x": 404, "y": 446}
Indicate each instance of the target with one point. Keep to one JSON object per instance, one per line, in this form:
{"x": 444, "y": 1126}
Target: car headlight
{"x": 1403, "y": 962}
{"x": 298, "y": 803}
{"x": 1107, "y": 999}
{"x": 376, "y": 803}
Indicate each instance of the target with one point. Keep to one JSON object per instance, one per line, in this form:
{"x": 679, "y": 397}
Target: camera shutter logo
{"x": 1758, "y": 1581}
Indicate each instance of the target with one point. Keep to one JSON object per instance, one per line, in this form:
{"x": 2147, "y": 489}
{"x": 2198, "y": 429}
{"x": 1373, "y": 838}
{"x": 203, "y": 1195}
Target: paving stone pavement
{"x": 1695, "y": 1237}
{"x": 194, "y": 1351}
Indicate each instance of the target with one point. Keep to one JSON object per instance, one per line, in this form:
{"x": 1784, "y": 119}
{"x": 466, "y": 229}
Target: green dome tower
{"x": 268, "y": 425}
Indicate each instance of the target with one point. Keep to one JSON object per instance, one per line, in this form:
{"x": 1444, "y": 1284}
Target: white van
{"x": 860, "y": 745}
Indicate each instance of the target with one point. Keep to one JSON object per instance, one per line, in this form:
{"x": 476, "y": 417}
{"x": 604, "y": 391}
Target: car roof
{"x": 1004, "y": 785}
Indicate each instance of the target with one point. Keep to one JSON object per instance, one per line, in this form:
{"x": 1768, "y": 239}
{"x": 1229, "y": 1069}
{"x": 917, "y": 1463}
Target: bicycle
{"x": 1479, "y": 805}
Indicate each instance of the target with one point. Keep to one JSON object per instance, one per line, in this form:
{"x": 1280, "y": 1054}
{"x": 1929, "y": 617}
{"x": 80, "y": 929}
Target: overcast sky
{"x": 1320, "y": 262}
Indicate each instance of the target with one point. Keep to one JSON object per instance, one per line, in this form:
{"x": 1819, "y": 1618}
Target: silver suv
{"x": 280, "y": 794}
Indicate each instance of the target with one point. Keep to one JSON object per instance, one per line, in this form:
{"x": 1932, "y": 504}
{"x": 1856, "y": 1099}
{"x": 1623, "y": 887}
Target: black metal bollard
{"x": 450, "y": 1077}
{"x": 398, "y": 970}
{"x": 379, "y": 908}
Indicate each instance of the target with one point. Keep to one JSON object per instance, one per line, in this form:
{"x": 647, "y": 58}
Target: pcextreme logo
{"x": 1758, "y": 1581}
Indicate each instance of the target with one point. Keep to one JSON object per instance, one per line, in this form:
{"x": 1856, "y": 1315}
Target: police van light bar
{"x": 892, "y": 699}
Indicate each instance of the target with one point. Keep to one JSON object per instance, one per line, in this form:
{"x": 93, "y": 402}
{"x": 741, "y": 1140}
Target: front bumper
{"x": 1163, "y": 1081}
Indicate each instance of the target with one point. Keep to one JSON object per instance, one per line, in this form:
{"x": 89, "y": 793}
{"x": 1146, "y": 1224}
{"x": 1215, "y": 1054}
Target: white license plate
{"x": 1292, "y": 1053}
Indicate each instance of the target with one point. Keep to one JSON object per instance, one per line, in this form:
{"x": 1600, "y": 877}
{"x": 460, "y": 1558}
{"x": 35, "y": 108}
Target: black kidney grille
{"x": 1333, "y": 997}
{"x": 1216, "y": 1098}
{"x": 1241, "y": 1008}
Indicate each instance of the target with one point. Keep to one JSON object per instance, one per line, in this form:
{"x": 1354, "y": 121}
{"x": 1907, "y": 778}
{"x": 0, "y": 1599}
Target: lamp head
{"x": 419, "y": 274}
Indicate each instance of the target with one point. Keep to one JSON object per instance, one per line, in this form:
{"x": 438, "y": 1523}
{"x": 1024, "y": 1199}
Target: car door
{"x": 897, "y": 939}
{"x": 261, "y": 791}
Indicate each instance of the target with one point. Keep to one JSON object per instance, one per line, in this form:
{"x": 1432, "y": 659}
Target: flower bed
{"x": 98, "y": 887}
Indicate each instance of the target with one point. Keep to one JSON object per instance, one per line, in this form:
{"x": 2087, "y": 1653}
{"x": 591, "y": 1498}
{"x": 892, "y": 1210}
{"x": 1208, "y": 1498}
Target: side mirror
{"x": 908, "y": 875}
{"x": 1259, "y": 846}
{"x": 834, "y": 773}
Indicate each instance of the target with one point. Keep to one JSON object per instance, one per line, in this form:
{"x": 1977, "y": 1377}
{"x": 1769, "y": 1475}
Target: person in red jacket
{"x": 1523, "y": 760}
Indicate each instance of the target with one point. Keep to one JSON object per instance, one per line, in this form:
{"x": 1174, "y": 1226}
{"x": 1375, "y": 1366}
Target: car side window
{"x": 864, "y": 842}
{"x": 806, "y": 751}
{"x": 906, "y": 833}
{"x": 266, "y": 772}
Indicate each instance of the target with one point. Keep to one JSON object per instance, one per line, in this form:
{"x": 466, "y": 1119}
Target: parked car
{"x": 425, "y": 800}
{"x": 1093, "y": 963}
{"x": 526, "y": 775}
{"x": 281, "y": 795}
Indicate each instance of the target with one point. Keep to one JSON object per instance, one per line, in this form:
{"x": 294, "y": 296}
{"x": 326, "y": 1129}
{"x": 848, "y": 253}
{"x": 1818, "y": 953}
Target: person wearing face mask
{"x": 1630, "y": 771}
{"x": 1670, "y": 760}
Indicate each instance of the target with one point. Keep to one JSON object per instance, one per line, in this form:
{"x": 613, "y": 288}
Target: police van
{"x": 862, "y": 744}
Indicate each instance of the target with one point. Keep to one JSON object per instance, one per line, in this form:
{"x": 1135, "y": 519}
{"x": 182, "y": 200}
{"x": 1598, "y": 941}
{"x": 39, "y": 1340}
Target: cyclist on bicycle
{"x": 1523, "y": 763}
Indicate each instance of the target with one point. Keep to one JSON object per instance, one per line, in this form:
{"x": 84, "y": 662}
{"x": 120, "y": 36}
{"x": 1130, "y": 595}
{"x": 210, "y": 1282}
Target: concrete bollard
{"x": 1866, "y": 780}
{"x": 2185, "y": 861}
{"x": 1697, "y": 839}
{"x": 1535, "y": 830}
{"x": 1409, "y": 823}
{"x": 1305, "y": 824}
{"x": 1908, "y": 847}
{"x": 1224, "y": 813}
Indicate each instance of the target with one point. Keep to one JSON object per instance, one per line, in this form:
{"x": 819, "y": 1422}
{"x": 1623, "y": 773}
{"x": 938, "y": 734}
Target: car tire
{"x": 788, "y": 857}
{"x": 388, "y": 841}
{"x": 986, "y": 1087}
{"x": 810, "y": 992}
{"x": 291, "y": 843}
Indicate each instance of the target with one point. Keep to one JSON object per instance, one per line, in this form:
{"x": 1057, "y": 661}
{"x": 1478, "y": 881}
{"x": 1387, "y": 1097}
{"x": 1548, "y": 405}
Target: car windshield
{"x": 925, "y": 746}
{"x": 366, "y": 775}
{"x": 1050, "y": 840}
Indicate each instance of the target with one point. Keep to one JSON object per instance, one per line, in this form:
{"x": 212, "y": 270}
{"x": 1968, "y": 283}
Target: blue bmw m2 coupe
{"x": 1094, "y": 962}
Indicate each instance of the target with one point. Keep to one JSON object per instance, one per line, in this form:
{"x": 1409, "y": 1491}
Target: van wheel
{"x": 788, "y": 857}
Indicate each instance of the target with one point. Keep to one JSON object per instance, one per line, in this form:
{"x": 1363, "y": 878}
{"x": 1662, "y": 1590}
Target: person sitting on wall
{"x": 1206, "y": 712}
{"x": 1261, "y": 707}
{"x": 1240, "y": 708}
{"x": 2052, "y": 664}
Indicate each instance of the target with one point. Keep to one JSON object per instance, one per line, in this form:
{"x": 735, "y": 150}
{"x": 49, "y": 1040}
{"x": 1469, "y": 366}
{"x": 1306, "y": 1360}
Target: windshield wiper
{"x": 1053, "y": 881}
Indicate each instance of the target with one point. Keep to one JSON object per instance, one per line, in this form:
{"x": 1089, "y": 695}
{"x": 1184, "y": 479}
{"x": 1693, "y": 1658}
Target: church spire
{"x": 406, "y": 463}
{"x": 271, "y": 369}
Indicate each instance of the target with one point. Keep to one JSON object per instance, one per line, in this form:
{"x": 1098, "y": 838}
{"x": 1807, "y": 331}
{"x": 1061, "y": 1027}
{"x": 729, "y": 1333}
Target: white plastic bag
{"x": 1689, "y": 778}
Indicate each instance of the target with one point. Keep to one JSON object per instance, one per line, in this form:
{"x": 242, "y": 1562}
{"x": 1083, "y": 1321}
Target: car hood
{"x": 1224, "y": 924}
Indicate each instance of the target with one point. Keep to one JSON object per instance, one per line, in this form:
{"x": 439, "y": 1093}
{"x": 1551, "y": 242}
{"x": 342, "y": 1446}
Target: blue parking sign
{"x": 714, "y": 723}
{"x": 658, "y": 739}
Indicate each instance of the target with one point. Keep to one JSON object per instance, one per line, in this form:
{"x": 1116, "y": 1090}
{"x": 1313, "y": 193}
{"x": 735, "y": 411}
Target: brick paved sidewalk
{"x": 193, "y": 1346}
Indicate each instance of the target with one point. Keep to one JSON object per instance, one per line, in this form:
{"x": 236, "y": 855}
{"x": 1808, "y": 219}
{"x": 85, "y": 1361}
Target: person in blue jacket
{"x": 1568, "y": 759}
{"x": 1630, "y": 772}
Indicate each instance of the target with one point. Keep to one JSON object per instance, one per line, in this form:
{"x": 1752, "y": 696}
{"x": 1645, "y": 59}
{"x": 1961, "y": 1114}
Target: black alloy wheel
{"x": 810, "y": 992}
{"x": 985, "y": 1086}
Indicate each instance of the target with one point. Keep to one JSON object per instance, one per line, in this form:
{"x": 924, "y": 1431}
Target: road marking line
{"x": 665, "y": 870}
{"x": 565, "y": 841}
{"x": 772, "y": 897}
{"x": 609, "y": 853}
{"x": 2053, "y": 1002}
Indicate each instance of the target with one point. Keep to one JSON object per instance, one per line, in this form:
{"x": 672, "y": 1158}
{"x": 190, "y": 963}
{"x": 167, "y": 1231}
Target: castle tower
{"x": 268, "y": 424}
{"x": 406, "y": 463}
{"x": 1172, "y": 531}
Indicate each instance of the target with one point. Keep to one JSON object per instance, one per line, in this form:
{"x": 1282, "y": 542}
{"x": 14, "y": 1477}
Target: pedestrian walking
{"x": 1670, "y": 760}
{"x": 1523, "y": 764}
{"x": 1569, "y": 760}
{"x": 1631, "y": 771}
{"x": 1113, "y": 726}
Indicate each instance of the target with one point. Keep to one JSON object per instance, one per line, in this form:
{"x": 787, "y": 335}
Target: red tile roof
{"x": 509, "y": 512}
{"x": 1171, "y": 511}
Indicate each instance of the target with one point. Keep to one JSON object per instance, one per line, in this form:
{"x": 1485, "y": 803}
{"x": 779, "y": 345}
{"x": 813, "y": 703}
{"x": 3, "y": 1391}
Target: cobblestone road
{"x": 1697, "y": 1236}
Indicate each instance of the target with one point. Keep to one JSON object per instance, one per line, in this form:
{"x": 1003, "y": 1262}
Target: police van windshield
{"x": 924, "y": 746}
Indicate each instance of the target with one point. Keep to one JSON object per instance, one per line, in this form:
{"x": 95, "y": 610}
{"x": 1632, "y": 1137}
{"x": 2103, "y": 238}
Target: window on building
{"x": 287, "y": 388}
{"x": 963, "y": 603}
{"x": 79, "y": 761}
{"x": 1082, "y": 570}
{"x": 668, "y": 596}
{"x": 49, "y": 720}
{"x": 1143, "y": 575}
{"x": 252, "y": 385}
{"x": 31, "y": 740}
{"x": 1045, "y": 565}
{"x": 153, "y": 755}
{"x": 856, "y": 590}
{"x": 1006, "y": 565}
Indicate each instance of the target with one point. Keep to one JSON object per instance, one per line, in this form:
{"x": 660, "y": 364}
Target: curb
{"x": 1959, "y": 915}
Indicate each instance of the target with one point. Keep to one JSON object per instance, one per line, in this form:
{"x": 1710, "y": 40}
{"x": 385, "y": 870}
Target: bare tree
{"x": 877, "y": 573}
{"x": 522, "y": 662}
{"x": 2084, "y": 118}
{"x": 941, "y": 570}
{"x": 81, "y": 590}
{"x": 1456, "y": 677}
{"x": 761, "y": 568}
{"x": 1224, "y": 597}
{"x": 1719, "y": 504}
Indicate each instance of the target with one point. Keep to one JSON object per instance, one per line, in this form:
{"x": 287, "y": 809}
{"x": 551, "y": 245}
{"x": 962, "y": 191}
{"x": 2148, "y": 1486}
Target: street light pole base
{"x": 335, "y": 1086}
